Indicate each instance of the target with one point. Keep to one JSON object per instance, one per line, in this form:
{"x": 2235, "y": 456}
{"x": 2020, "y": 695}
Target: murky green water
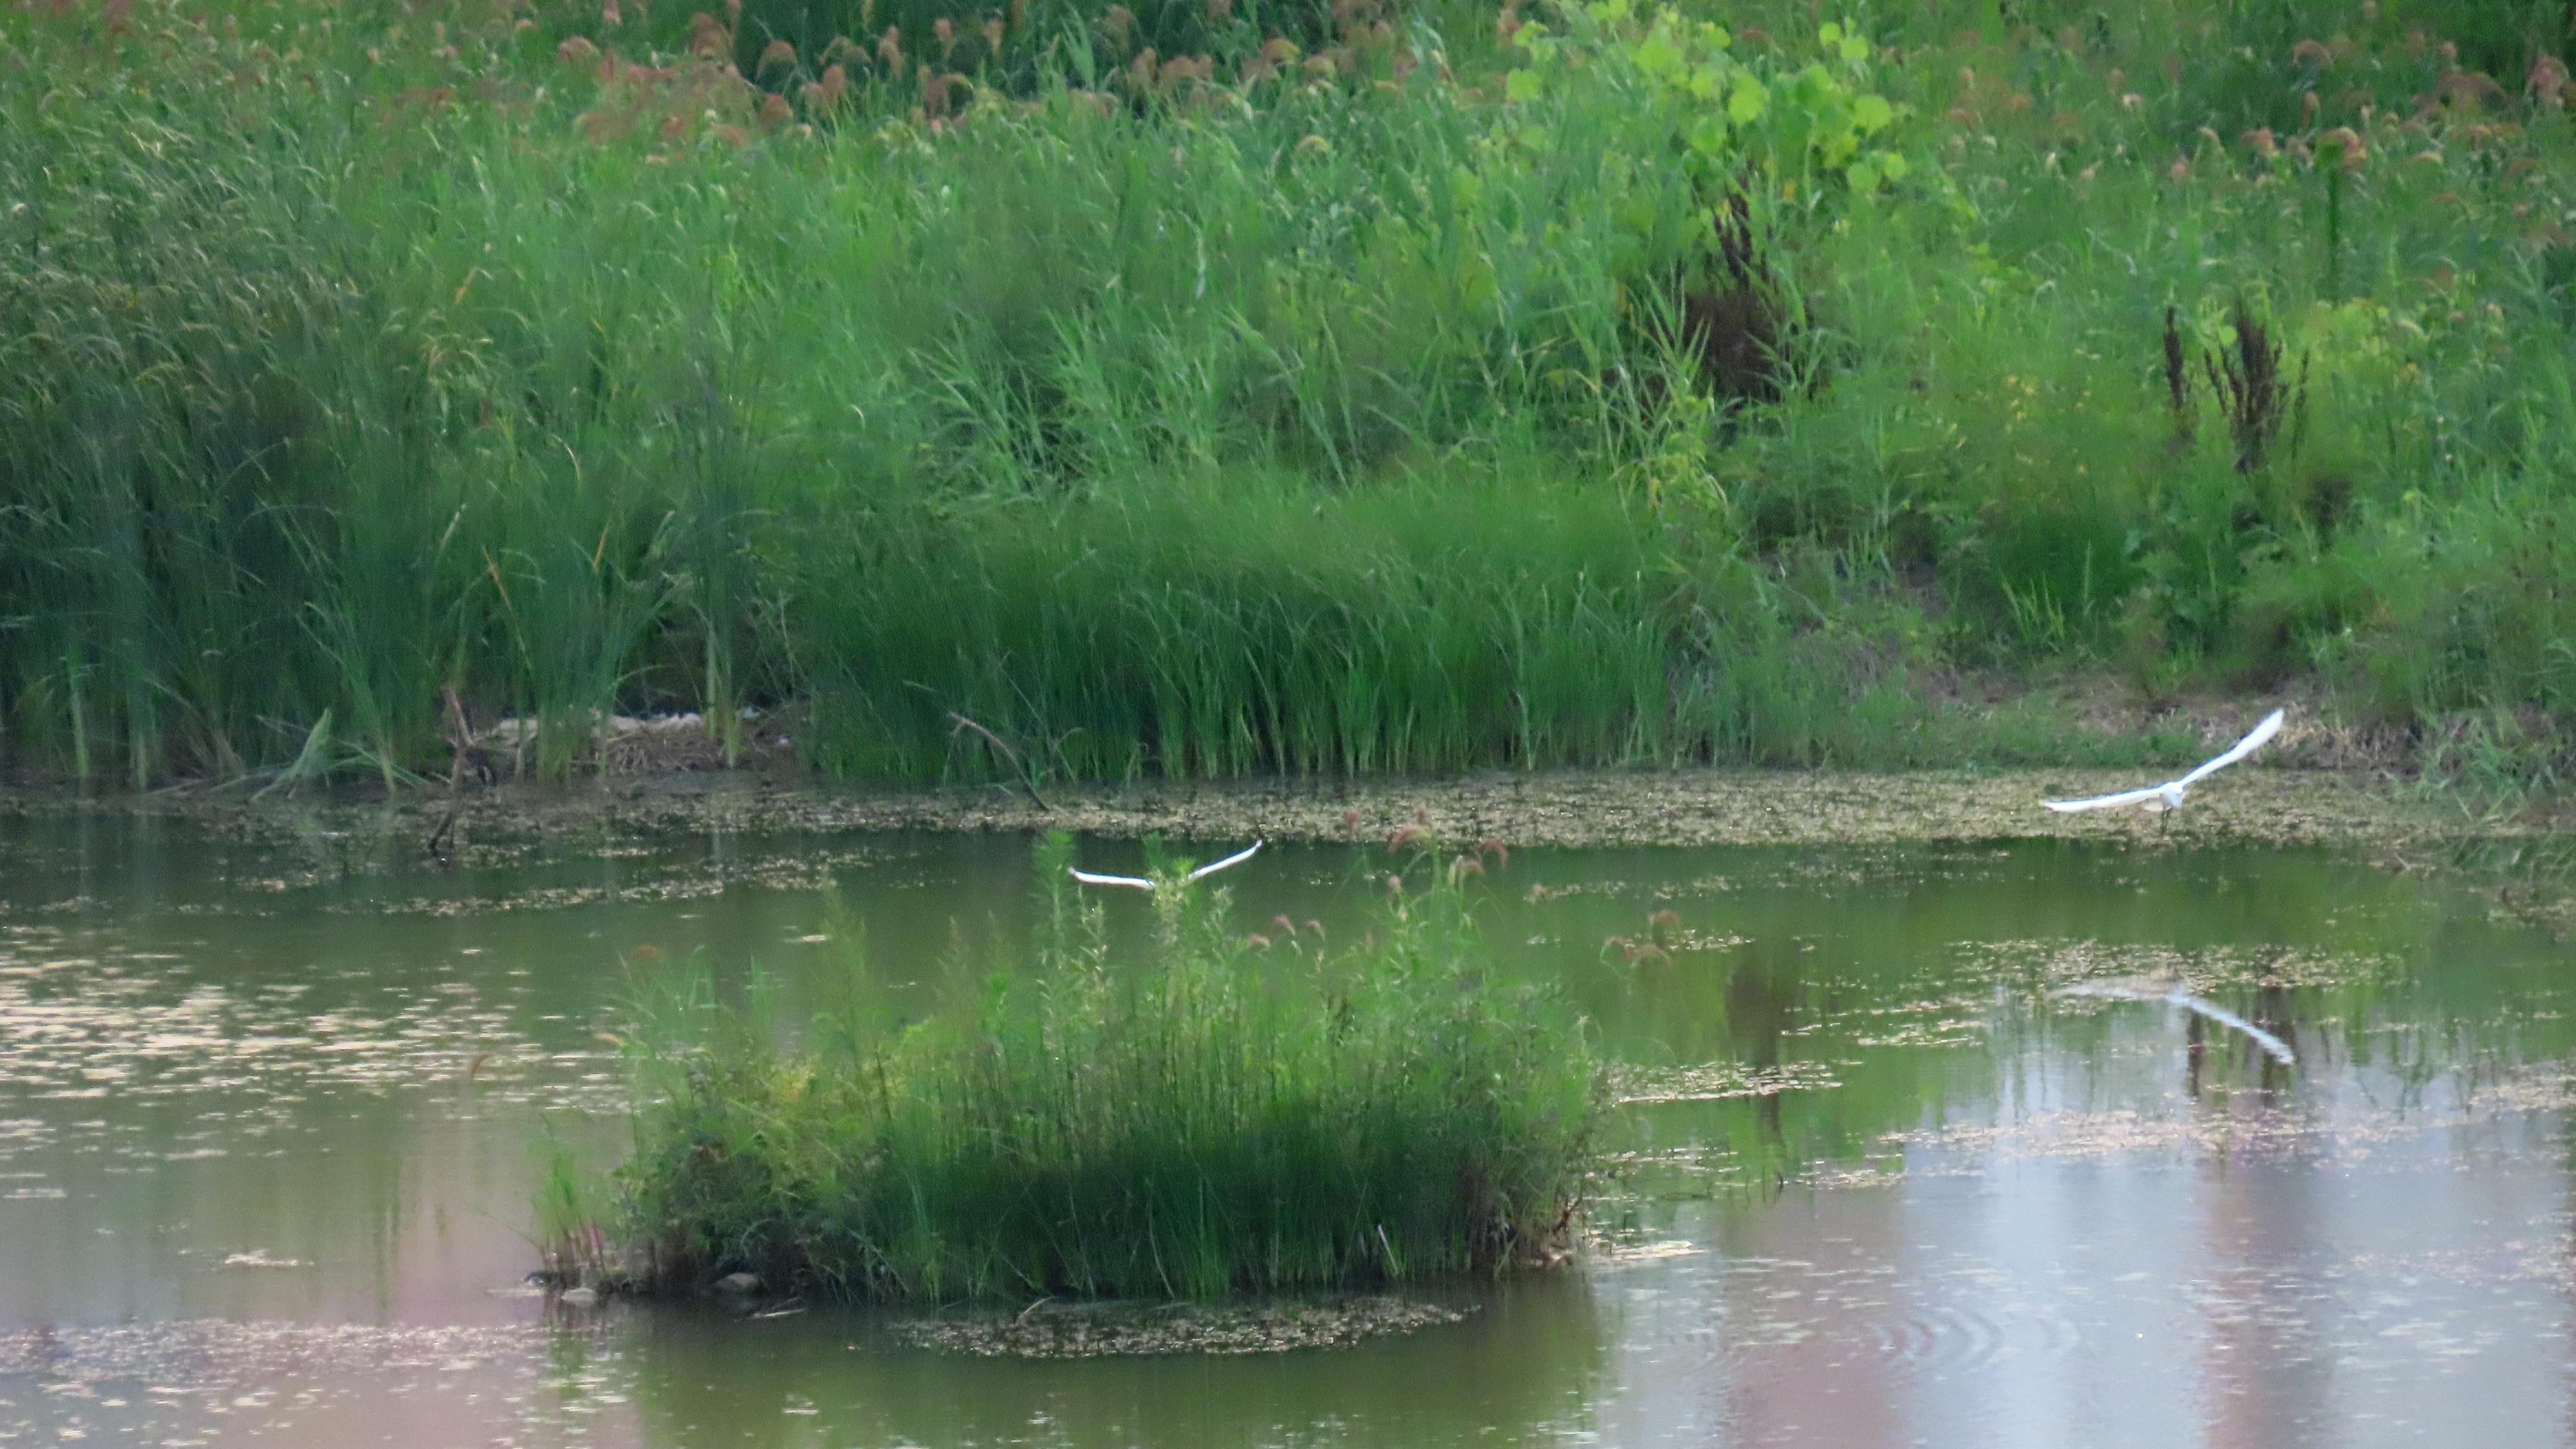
{"x": 266, "y": 1118}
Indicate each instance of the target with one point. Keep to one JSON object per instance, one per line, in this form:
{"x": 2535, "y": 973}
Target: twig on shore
{"x": 1028, "y": 779}
{"x": 458, "y": 738}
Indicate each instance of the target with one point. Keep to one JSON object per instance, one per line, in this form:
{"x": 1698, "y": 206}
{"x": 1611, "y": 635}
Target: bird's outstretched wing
{"x": 1117, "y": 880}
{"x": 2253, "y": 741}
{"x": 1238, "y": 858}
{"x": 2104, "y": 802}
{"x": 1140, "y": 883}
{"x": 2277, "y": 1048}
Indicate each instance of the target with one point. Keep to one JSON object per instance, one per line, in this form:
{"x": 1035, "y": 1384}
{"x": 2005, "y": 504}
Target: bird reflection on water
{"x": 2177, "y": 994}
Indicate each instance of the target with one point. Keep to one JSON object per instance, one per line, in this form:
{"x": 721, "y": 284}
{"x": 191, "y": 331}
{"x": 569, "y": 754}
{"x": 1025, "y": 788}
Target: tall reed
{"x": 1334, "y": 407}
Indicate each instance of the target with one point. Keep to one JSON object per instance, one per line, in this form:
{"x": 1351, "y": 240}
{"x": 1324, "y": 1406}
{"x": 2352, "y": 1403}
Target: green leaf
{"x": 1892, "y": 165}
{"x": 1523, "y": 86}
{"x": 1832, "y": 34}
{"x": 1871, "y": 113}
{"x": 1748, "y": 102}
{"x": 1658, "y": 57}
{"x": 1854, "y": 48}
{"x": 1708, "y": 134}
{"x": 1863, "y": 177}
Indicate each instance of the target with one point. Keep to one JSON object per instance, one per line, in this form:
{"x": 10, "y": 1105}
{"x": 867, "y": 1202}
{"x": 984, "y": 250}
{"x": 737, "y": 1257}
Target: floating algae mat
{"x": 1126, "y": 1330}
{"x": 275, "y": 1107}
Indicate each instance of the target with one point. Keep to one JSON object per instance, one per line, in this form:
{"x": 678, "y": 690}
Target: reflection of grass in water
{"x": 2534, "y": 878}
{"x": 1522, "y": 1362}
{"x": 1187, "y": 1128}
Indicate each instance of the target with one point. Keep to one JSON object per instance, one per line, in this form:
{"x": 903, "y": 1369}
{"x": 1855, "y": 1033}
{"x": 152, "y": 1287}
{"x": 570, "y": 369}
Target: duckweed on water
{"x": 1094, "y": 1331}
{"x": 1221, "y": 1116}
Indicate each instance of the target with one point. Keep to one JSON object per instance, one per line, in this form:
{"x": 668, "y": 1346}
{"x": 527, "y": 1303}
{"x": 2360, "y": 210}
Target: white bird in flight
{"x": 2168, "y": 796}
{"x": 2273, "y": 1046}
{"x": 1142, "y": 884}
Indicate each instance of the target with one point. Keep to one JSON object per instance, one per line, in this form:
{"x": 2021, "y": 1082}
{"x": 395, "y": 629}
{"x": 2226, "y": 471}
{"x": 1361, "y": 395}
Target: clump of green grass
{"x": 1225, "y": 1114}
{"x": 573, "y": 1249}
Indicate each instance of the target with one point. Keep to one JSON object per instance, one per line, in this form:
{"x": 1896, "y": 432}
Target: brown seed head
{"x": 708, "y": 38}
{"x": 2547, "y": 81}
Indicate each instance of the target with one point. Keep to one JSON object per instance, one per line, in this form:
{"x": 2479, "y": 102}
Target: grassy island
{"x": 1212, "y": 1113}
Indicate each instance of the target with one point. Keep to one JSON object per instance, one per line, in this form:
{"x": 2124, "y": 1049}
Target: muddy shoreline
{"x": 1571, "y": 808}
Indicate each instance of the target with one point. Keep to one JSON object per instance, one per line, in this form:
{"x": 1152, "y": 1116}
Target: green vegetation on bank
{"x": 1214, "y": 387}
{"x": 1227, "y": 1113}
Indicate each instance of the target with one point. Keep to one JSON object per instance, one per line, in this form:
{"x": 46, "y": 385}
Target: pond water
{"x": 269, "y": 1117}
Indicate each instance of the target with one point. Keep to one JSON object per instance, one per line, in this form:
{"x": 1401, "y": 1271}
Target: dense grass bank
{"x": 1227, "y": 388}
{"x": 1224, "y": 1114}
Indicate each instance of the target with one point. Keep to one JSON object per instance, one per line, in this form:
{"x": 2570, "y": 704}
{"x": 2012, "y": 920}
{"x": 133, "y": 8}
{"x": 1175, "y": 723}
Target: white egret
{"x": 2168, "y": 796}
{"x": 1142, "y": 884}
{"x": 2177, "y": 995}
